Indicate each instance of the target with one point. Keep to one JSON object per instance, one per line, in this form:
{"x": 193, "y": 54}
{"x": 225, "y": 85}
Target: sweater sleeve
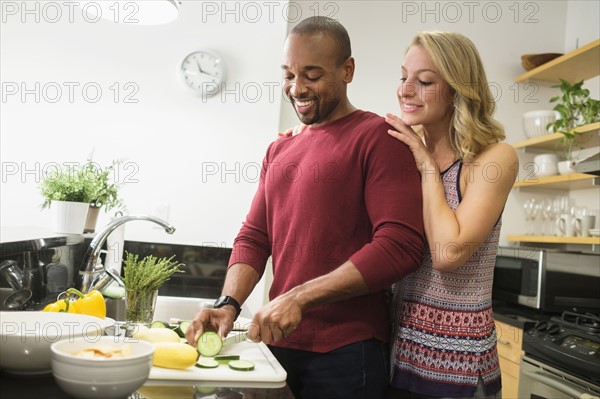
{"x": 252, "y": 245}
{"x": 394, "y": 203}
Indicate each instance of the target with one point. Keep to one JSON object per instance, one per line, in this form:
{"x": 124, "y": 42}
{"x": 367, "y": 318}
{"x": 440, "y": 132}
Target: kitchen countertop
{"x": 44, "y": 387}
{"x": 517, "y": 316}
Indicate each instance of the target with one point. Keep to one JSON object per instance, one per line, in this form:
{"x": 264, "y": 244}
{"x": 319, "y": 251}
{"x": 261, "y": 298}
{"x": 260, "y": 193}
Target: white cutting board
{"x": 267, "y": 368}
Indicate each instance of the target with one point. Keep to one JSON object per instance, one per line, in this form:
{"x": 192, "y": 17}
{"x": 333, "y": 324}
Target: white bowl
{"x": 97, "y": 377}
{"x": 25, "y": 337}
{"x": 535, "y": 122}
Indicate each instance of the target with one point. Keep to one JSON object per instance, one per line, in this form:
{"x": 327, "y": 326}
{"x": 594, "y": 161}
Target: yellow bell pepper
{"x": 91, "y": 303}
{"x": 62, "y": 305}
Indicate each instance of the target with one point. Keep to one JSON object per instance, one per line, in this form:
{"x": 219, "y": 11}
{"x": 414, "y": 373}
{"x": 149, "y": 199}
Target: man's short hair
{"x": 319, "y": 24}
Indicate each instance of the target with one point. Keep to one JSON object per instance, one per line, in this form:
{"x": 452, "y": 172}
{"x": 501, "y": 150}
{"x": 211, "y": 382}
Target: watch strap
{"x": 228, "y": 300}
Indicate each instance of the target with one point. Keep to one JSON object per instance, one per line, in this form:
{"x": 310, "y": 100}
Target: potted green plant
{"x": 575, "y": 108}
{"x": 104, "y": 192}
{"x": 67, "y": 192}
{"x": 70, "y": 192}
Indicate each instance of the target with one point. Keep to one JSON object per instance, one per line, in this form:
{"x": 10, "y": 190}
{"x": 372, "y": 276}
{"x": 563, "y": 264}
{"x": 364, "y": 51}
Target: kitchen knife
{"x": 235, "y": 337}
{"x": 175, "y": 321}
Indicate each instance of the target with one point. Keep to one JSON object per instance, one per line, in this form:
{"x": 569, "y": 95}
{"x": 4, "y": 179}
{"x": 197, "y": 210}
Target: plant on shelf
{"x": 575, "y": 108}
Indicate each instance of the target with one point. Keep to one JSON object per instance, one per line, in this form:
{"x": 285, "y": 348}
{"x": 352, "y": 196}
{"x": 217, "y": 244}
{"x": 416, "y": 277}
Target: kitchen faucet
{"x": 92, "y": 275}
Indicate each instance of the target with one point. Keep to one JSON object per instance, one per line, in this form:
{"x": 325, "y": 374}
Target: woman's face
{"x": 425, "y": 98}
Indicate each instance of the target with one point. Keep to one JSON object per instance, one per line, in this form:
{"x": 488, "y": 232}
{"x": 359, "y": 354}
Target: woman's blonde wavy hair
{"x": 472, "y": 127}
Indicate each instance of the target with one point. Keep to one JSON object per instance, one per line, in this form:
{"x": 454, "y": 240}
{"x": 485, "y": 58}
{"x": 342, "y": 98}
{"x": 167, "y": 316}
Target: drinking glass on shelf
{"x": 546, "y": 209}
{"x": 536, "y": 210}
{"x": 555, "y": 213}
{"x": 566, "y": 205}
{"x": 549, "y": 210}
{"x": 531, "y": 211}
{"x": 527, "y": 209}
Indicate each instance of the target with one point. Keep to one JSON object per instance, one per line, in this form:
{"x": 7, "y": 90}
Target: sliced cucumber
{"x": 207, "y": 363}
{"x": 209, "y": 344}
{"x": 225, "y": 359}
{"x": 241, "y": 365}
{"x": 182, "y": 328}
{"x": 159, "y": 324}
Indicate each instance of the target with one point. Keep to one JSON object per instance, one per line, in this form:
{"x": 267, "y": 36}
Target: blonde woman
{"x": 444, "y": 342}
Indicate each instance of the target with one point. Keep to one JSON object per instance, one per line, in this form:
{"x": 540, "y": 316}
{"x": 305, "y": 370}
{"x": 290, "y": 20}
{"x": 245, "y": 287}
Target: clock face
{"x": 204, "y": 72}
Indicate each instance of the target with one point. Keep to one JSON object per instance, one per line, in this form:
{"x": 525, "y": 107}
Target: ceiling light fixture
{"x": 138, "y": 12}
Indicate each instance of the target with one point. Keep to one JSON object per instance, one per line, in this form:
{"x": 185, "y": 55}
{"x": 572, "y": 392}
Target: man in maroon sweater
{"x": 339, "y": 209}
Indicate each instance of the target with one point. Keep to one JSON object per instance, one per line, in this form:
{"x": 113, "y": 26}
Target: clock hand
{"x": 200, "y": 68}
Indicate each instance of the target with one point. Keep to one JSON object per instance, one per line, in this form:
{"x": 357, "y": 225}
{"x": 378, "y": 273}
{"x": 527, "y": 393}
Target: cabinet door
{"x": 510, "y": 339}
{"x": 510, "y": 383}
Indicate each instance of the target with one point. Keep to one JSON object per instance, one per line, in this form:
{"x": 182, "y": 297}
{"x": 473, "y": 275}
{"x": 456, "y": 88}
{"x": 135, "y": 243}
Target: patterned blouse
{"x": 444, "y": 332}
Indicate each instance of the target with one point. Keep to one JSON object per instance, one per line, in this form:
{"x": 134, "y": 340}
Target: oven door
{"x": 540, "y": 381}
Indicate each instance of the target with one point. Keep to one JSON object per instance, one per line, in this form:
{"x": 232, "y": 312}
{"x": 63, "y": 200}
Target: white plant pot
{"x": 566, "y": 167}
{"x": 69, "y": 217}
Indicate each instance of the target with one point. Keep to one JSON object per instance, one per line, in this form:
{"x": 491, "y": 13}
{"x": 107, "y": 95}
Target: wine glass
{"x": 535, "y": 211}
{"x": 551, "y": 210}
{"x": 529, "y": 206}
{"x": 546, "y": 206}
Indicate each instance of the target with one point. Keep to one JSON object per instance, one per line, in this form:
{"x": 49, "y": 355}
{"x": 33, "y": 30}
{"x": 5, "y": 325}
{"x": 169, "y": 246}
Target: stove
{"x": 569, "y": 343}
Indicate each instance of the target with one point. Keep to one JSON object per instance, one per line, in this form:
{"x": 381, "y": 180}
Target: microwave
{"x": 547, "y": 280}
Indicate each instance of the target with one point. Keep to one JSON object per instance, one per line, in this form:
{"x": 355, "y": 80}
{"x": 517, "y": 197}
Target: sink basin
{"x": 183, "y": 308}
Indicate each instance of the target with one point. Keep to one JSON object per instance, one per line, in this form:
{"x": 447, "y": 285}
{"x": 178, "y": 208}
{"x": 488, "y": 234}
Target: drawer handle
{"x": 503, "y": 342}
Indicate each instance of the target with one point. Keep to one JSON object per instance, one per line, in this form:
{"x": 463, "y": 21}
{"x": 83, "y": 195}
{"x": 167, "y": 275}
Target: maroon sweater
{"x": 344, "y": 190}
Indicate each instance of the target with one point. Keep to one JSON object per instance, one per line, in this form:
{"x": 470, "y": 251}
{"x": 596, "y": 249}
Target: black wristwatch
{"x": 227, "y": 300}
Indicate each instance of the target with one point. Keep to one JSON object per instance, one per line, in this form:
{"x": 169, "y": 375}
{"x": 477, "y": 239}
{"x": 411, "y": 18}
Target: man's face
{"x": 314, "y": 81}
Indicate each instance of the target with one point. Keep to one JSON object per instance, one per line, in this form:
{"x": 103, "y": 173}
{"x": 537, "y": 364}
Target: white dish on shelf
{"x": 535, "y": 122}
{"x": 595, "y": 232}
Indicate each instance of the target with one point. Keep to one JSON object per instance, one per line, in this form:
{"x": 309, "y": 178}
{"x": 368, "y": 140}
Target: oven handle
{"x": 558, "y": 385}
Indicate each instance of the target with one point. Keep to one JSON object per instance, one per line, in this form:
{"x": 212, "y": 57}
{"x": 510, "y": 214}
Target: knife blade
{"x": 235, "y": 337}
{"x": 173, "y": 321}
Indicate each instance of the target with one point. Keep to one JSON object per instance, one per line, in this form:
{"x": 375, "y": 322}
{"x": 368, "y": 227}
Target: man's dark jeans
{"x": 356, "y": 371}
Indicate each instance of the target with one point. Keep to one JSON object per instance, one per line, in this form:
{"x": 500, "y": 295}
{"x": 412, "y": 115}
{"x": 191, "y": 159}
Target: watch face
{"x": 203, "y": 71}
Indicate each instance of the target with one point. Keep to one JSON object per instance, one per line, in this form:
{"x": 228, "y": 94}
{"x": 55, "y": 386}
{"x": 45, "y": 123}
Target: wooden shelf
{"x": 580, "y": 64}
{"x": 555, "y": 240}
{"x": 589, "y": 137}
{"x": 573, "y": 181}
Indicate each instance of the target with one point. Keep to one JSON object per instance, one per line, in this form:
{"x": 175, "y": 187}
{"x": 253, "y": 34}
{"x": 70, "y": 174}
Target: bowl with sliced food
{"x": 101, "y": 367}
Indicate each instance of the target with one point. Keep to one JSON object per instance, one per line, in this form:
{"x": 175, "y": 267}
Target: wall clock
{"x": 204, "y": 72}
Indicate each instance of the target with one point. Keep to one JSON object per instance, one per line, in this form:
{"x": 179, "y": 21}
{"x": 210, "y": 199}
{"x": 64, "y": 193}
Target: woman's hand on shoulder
{"x": 293, "y": 131}
{"x": 407, "y": 135}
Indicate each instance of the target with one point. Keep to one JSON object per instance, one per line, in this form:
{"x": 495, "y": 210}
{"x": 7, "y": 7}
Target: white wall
{"x": 167, "y": 137}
